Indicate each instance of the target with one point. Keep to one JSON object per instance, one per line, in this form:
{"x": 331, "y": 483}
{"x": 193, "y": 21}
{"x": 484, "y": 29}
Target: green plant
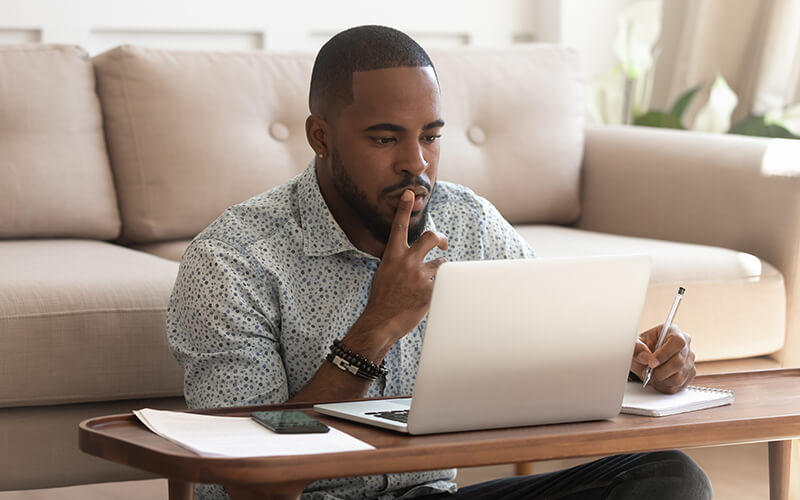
{"x": 668, "y": 119}
{"x": 782, "y": 123}
{"x": 623, "y": 94}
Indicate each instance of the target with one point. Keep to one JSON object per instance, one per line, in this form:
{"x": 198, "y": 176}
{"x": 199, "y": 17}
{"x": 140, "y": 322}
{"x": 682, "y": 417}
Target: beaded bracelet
{"x": 354, "y": 363}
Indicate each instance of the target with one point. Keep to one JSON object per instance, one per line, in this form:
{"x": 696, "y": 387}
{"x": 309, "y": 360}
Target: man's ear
{"x": 317, "y": 135}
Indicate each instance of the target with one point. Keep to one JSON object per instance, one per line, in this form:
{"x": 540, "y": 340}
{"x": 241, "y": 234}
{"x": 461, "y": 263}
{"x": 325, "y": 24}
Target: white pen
{"x": 664, "y": 330}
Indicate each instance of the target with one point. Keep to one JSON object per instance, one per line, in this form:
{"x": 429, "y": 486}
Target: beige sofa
{"x": 109, "y": 166}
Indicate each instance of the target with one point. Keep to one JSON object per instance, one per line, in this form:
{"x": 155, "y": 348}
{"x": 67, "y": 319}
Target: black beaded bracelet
{"x": 354, "y": 363}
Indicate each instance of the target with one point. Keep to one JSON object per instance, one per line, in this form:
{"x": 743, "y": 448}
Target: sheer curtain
{"x": 778, "y": 80}
{"x": 754, "y": 44}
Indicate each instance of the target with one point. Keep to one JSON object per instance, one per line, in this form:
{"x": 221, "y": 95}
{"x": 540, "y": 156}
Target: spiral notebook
{"x": 647, "y": 401}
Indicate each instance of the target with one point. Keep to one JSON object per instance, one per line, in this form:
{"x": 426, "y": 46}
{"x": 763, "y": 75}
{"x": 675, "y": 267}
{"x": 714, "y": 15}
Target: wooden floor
{"x": 737, "y": 472}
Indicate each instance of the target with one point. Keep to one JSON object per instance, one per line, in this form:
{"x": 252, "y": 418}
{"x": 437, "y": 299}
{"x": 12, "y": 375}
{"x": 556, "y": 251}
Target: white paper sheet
{"x": 214, "y": 436}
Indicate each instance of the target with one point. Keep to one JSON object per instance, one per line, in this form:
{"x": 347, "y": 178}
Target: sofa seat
{"x": 83, "y": 320}
{"x": 172, "y": 250}
{"x": 735, "y": 305}
{"x": 712, "y": 276}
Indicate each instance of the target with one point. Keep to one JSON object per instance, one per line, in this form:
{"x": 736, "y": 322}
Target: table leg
{"x": 523, "y": 468}
{"x": 783, "y": 470}
{"x": 282, "y": 491}
{"x": 180, "y": 490}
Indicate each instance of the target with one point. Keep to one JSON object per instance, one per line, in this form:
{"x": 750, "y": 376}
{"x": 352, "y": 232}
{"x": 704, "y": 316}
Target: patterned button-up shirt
{"x": 266, "y": 288}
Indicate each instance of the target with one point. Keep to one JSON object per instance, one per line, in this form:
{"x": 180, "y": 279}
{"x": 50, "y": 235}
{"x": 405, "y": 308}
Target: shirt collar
{"x": 322, "y": 235}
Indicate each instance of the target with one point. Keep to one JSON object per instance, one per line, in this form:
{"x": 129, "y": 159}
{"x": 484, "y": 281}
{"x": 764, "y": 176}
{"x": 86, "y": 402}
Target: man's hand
{"x": 402, "y": 286}
{"x": 399, "y": 299}
{"x": 673, "y": 363}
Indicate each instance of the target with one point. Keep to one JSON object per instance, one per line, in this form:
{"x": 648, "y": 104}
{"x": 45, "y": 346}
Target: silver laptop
{"x": 519, "y": 342}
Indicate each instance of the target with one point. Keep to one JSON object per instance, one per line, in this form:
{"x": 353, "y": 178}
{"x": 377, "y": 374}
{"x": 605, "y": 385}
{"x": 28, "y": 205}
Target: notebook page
{"x": 640, "y": 400}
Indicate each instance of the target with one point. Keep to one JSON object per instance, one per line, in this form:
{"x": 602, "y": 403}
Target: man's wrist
{"x": 372, "y": 337}
{"x": 354, "y": 363}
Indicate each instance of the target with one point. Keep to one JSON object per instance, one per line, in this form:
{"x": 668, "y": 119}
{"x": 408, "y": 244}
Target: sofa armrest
{"x": 730, "y": 191}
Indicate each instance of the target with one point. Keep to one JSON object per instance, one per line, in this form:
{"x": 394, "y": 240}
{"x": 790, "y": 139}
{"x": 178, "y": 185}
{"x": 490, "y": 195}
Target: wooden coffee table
{"x": 767, "y": 408}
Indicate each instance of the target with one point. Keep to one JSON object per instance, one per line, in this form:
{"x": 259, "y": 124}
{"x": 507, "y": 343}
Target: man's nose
{"x": 413, "y": 163}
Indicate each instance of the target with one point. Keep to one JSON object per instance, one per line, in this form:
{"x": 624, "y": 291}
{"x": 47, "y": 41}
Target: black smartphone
{"x": 289, "y": 422}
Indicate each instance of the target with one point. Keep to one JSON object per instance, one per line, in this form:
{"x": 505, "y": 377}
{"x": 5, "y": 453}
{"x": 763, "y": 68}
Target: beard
{"x": 379, "y": 228}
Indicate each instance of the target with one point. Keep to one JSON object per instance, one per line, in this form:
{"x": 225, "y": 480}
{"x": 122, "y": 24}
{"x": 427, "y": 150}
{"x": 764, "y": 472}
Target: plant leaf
{"x": 755, "y": 125}
{"x": 659, "y": 119}
{"x": 679, "y": 108}
{"x": 788, "y": 118}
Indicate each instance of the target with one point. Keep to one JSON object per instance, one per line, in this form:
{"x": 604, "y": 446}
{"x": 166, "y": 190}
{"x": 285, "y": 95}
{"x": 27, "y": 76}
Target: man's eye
{"x": 430, "y": 139}
{"x": 383, "y": 141}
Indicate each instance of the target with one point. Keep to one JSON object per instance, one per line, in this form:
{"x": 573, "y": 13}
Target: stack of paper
{"x": 213, "y": 436}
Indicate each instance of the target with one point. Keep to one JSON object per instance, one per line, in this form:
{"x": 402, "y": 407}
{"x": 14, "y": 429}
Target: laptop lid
{"x": 523, "y": 342}
{"x": 526, "y": 342}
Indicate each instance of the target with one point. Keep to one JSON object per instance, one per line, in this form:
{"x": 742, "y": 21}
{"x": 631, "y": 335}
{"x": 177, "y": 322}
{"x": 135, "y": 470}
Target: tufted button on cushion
{"x": 476, "y": 135}
{"x": 279, "y": 131}
{"x": 183, "y": 169}
{"x": 518, "y": 113}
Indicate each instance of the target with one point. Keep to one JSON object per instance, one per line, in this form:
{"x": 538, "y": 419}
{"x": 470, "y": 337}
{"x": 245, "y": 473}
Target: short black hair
{"x": 363, "y": 48}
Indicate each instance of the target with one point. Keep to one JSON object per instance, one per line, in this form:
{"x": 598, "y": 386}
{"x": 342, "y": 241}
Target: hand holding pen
{"x": 663, "y": 356}
{"x": 663, "y": 335}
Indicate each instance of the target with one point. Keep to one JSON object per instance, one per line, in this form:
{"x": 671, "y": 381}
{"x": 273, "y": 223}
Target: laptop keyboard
{"x": 396, "y": 415}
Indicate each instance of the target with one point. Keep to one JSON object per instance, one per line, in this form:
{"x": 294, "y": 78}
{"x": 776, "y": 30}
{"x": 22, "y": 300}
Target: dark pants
{"x": 652, "y": 476}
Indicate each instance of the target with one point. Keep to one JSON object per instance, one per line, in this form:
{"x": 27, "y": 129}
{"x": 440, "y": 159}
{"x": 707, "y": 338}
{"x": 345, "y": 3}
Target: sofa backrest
{"x": 190, "y": 133}
{"x": 514, "y": 128}
{"x": 55, "y": 179}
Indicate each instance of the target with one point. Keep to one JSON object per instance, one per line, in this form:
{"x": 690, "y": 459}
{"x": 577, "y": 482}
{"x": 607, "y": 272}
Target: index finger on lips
{"x": 398, "y": 238}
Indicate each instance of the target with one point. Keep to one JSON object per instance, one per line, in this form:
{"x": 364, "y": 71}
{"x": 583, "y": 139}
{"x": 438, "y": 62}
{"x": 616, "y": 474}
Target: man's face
{"x": 387, "y": 141}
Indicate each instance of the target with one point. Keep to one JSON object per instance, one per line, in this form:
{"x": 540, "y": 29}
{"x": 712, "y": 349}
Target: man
{"x": 348, "y": 251}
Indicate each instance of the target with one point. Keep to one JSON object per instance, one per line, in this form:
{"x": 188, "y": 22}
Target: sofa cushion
{"x": 735, "y": 305}
{"x": 191, "y": 133}
{"x": 40, "y": 449}
{"x": 56, "y": 180}
{"x": 514, "y": 128}
{"x": 172, "y": 250}
{"x": 83, "y": 321}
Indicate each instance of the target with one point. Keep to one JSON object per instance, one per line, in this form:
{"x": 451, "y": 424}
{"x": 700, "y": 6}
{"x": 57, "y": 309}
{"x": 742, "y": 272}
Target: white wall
{"x": 589, "y": 26}
{"x": 98, "y": 25}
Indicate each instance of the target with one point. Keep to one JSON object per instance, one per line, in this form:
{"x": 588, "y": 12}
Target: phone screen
{"x": 288, "y": 422}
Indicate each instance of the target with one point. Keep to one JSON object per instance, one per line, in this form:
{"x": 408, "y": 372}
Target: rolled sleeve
{"x": 222, "y": 327}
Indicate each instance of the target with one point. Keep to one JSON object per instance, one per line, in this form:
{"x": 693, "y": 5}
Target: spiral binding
{"x": 708, "y": 389}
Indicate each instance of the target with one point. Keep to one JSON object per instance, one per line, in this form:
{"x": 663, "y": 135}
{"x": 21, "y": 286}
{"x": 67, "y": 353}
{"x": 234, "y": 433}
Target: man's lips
{"x": 418, "y": 191}
{"x": 420, "y": 195}
{"x": 419, "y": 203}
